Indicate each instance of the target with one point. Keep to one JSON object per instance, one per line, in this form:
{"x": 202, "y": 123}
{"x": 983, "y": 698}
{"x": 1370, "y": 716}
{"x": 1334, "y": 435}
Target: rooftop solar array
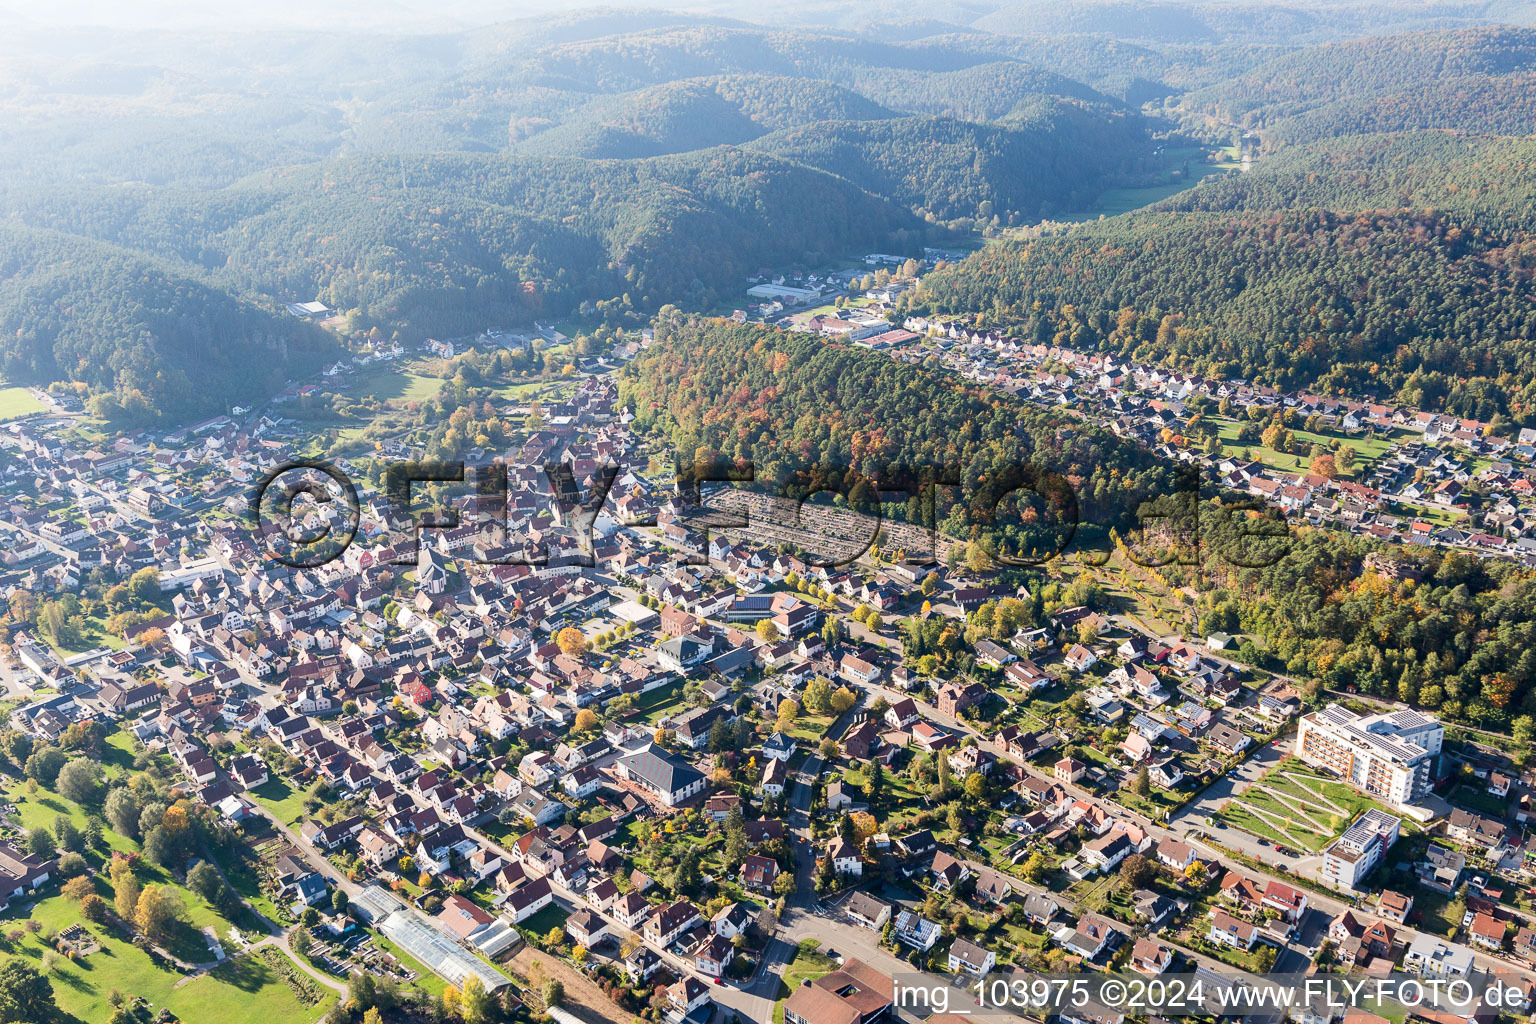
{"x": 1363, "y": 730}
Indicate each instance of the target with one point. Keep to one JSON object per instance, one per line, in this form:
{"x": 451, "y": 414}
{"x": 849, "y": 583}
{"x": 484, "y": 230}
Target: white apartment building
{"x": 1349, "y": 858}
{"x": 1393, "y": 755}
{"x": 1432, "y": 958}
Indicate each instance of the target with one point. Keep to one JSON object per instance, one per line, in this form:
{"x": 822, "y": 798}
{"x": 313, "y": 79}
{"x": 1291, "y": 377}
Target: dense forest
{"x": 1486, "y": 180}
{"x": 808, "y": 413}
{"x": 602, "y": 164}
{"x": 1498, "y": 105}
{"x": 1060, "y": 160}
{"x": 1474, "y": 80}
{"x": 1424, "y": 307}
{"x": 1461, "y": 641}
{"x": 694, "y": 114}
{"x": 450, "y": 243}
{"x": 1253, "y": 21}
{"x": 608, "y": 162}
{"x": 161, "y": 344}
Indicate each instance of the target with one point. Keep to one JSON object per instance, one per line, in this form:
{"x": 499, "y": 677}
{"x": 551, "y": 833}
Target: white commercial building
{"x": 1392, "y": 755}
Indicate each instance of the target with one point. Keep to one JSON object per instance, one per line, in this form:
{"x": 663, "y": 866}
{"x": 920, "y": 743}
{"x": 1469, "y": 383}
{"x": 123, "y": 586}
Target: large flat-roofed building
{"x": 1393, "y": 755}
{"x": 1349, "y": 858}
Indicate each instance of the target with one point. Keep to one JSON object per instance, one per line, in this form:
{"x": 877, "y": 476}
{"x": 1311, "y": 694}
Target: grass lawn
{"x": 1124, "y": 200}
{"x": 1368, "y": 449}
{"x": 244, "y": 875}
{"x": 16, "y": 402}
{"x": 244, "y": 990}
{"x": 118, "y": 753}
{"x": 386, "y": 382}
{"x": 281, "y": 799}
{"x": 1435, "y": 912}
{"x": 540, "y": 924}
{"x": 660, "y": 702}
{"x": 40, "y": 809}
{"x": 899, "y": 791}
{"x": 1155, "y": 805}
{"x": 811, "y": 729}
{"x": 1482, "y": 800}
{"x": 521, "y": 389}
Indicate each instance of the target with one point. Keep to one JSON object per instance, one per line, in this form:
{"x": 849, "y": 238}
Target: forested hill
{"x": 788, "y": 402}
{"x": 1472, "y": 80}
{"x": 1487, "y": 181}
{"x": 1061, "y": 159}
{"x": 163, "y": 344}
{"x": 695, "y": 114}
{"x": 449, "y": 243}
{"x": 1420, "y": 306}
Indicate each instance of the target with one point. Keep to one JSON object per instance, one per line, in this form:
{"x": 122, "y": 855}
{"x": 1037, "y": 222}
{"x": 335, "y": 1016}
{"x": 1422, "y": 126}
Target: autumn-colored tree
{"x": 159, "y": 907}
{"x": 175, "y": 820}
{"x": 93, "y": 908}
{"x": 864, "y": 825}
{"x": 125, "y": 886}
{"x": 571, "y": 642}
{"x": 78, "y": 888}
{"x": 843, "y": 699}
{"x": 586, "y": 719}
{"x": 1499, "y": 690}
{"x": 767, "y": 632}
{"x": 788, "y": 712}
{"x": 475, "y": 1003}
{"x": 1324, "y": 465}
{"x": 1034, "y": 866}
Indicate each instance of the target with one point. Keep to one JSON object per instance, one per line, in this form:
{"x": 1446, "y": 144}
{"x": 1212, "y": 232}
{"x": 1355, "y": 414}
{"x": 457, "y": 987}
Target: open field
{"x": 1368, "y": 449}
{"x": 17, "y": 402}
{"x": 391, "y": 382}
{"x": 40, "y": 809}
{"x": 1123, "y": 200}
{"x": 276, "y": 796}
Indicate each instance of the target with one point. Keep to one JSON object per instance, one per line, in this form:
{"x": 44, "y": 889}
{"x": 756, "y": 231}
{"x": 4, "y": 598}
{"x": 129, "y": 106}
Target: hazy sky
{"x": 378, "y": 15}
